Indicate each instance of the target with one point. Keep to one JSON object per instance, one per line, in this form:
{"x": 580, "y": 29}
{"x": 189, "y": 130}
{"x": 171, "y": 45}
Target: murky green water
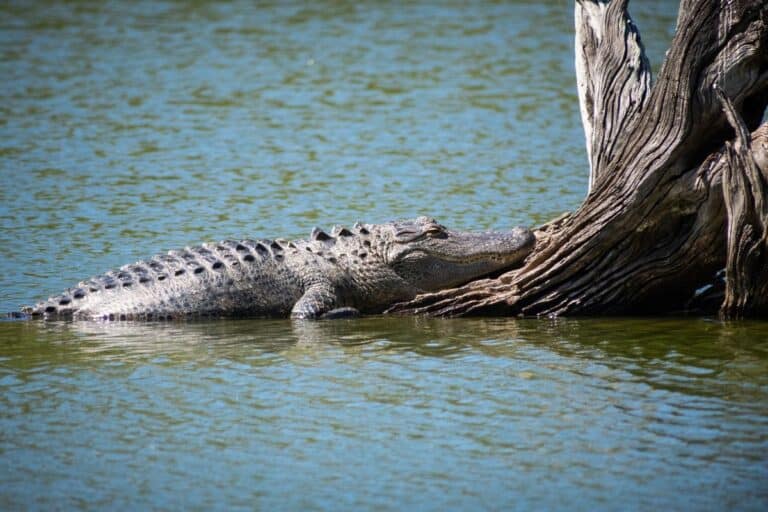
{"x": 127, "y": 129}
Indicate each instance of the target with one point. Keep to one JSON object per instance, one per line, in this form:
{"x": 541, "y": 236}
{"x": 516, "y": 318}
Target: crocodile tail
{"x": 205, "y": 264}
{"x": 53, "y": 306}
{"x": 17, "y": 315}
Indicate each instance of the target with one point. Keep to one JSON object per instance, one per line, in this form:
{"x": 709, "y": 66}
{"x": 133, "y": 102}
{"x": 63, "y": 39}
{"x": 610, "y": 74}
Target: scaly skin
{"x": 363, "y": 269}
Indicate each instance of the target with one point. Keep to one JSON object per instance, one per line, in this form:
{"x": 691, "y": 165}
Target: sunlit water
{"x": 131, "y": 128}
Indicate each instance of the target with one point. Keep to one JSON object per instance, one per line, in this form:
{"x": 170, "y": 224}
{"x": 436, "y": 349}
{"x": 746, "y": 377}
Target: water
{"x": 127, "y": 129}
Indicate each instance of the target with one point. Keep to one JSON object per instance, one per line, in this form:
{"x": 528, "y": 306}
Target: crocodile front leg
{"x": 320, "y": 301}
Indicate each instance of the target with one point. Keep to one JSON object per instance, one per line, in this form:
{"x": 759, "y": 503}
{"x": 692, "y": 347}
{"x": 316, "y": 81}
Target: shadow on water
{"x": 677, "y": 354}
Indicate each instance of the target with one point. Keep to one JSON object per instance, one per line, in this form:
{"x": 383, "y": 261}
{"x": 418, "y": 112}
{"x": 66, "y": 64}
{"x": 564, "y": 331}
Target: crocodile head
{"x": 432, "y": 257}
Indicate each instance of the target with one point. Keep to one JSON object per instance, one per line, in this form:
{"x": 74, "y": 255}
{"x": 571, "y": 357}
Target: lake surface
{"x": 130, "y": 129}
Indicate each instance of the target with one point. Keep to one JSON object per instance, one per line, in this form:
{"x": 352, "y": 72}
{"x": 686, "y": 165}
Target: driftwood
{"x": 678, "y": 176}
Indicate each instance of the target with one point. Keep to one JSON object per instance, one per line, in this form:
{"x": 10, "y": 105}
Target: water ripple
{"x": 132, "y": 128}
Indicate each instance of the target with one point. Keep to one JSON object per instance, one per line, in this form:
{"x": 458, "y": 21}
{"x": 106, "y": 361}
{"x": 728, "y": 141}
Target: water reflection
{"x": 519, "y": 405}
{"x": 677, "y": 354}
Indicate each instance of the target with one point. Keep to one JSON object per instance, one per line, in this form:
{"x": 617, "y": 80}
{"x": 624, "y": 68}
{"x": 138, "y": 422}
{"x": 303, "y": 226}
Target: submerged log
{"x": 663, "y": 214}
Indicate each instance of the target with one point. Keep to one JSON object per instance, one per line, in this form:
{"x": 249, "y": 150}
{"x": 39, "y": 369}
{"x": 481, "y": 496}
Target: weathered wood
{"x": 653, "y": 227}
{"x": 613, "y": 81}
{"x": 745, "y": 183}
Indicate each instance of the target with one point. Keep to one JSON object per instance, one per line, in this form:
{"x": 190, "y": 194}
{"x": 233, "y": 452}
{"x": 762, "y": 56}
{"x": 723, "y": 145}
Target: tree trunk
{"x": 744, "y": 189}
{"x": 671, "y": 202}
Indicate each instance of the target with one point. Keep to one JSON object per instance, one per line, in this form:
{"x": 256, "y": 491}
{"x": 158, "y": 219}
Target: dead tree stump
{"x": 672, "y": 200}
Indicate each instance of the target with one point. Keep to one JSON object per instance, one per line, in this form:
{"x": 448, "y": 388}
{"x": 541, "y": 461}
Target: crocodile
{"x": 349, "y": 271}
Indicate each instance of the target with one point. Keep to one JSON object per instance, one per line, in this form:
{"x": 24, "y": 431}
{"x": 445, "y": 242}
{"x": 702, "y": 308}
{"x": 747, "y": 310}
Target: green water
{"x": 127, "y": 129}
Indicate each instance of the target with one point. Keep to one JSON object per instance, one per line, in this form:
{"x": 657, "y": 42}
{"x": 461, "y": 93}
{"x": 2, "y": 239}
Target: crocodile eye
{"x": 436, "y": 232}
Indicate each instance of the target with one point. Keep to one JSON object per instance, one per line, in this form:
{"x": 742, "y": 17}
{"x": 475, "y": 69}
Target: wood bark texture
{"x": 664, "y": 184}
{"x": 613, "y": 82}
{"x": 745, "y": 180}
